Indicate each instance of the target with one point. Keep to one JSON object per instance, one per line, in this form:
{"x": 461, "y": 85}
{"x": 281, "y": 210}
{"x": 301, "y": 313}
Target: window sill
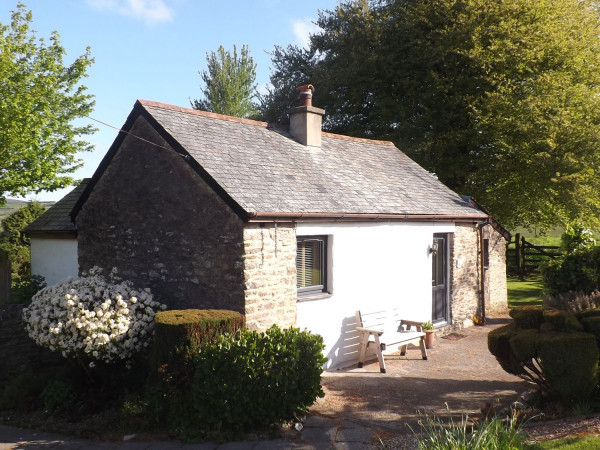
{"x": 309, "y": 297}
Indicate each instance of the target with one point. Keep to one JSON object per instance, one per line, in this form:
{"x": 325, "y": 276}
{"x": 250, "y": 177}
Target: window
{"x": 311, "y": 264}
{"x": 486, "y": 253}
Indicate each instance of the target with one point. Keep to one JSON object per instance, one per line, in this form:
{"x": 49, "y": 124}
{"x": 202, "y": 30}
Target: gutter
{"x": 480, "y": 226}
{"x": 254, "y": 217}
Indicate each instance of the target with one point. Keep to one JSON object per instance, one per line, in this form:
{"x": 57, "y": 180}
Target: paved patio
{"x": 362, "y": 406}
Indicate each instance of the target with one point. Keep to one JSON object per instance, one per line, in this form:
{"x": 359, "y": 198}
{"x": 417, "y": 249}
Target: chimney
{"x": 306, "y": 120}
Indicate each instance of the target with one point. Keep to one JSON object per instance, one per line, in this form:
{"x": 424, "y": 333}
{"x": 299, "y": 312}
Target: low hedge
{"x": 550, "y": 348}
{"x": 255, "y": 380}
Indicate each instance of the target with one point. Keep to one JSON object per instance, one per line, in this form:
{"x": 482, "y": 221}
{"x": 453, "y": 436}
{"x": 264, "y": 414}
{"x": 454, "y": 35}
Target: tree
{"x": 499, "y": 99}
{"x": 229, "y": 82}
{"x": 15, "y": 244}
{"x": 41, "y": 96}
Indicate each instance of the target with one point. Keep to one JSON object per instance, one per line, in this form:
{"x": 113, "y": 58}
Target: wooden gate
{"x": 526, "y": 257}
{"x": 4, "y": 278}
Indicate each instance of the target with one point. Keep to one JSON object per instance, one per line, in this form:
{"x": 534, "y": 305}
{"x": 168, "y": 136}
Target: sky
{"x": 154, "y": 49}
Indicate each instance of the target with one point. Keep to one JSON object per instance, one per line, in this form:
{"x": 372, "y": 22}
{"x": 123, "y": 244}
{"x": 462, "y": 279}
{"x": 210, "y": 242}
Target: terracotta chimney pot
{"x": 305, "y": 94}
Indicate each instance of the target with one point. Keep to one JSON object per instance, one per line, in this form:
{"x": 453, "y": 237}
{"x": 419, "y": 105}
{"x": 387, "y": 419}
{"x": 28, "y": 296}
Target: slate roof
{"x": 265, "y": 171}
{"x": 57, "y": 219}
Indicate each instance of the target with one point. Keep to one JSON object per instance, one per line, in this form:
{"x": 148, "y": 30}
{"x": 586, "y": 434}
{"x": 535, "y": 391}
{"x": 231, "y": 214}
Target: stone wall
{"x": 464, "y": 275}
{"x": 270, "y": 275}
{"x": 495, "y": 281}
{"x": 19, "y": 354}
{"x": 154, "y": 218}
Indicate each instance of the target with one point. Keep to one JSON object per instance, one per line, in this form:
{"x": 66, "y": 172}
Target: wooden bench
{"x": 386, "y": 328}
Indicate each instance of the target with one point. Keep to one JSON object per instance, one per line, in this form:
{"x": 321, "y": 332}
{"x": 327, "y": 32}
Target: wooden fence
{"x": 4, "y": 278}
{"x": 525, "y": 257}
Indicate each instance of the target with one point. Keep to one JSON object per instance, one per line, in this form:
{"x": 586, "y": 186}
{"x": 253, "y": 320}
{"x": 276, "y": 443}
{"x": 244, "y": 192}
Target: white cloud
{"x": 302, "y": 31}
{"x": 147, "y": 11}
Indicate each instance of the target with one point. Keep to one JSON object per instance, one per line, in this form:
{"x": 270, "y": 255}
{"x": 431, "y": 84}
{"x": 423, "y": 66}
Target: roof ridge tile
{"x": 198, "y": 112}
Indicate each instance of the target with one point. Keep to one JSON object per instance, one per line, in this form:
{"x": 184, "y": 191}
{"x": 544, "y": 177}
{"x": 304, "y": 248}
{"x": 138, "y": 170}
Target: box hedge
{"x": 548, "y": 347}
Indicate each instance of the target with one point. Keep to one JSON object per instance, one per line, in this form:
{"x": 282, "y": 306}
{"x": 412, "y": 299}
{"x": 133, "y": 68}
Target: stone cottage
{"x": 292, "y": 226}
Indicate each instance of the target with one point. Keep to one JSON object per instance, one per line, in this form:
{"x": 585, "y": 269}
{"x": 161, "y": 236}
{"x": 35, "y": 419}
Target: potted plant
{"x": 427, "y": 327}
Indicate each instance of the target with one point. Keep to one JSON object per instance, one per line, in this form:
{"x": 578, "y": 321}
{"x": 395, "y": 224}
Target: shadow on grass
{"x": 524, "y": 292}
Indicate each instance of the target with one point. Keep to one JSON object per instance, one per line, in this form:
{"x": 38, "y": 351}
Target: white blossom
{"x": 86, "y": 317}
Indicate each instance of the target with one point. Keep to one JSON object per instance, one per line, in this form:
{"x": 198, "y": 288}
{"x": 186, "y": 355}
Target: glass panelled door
{"x": 439, "y": 283}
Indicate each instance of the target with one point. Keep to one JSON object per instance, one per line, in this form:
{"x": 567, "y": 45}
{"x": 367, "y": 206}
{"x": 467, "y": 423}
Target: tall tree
{"x": 40, "y": 97}
{"x": 500, "y": 99}
{"x": 15, "y": 244}
{"x": 229, "y": 82}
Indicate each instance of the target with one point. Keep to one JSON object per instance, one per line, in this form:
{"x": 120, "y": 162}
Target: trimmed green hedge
{"x": 550, "y": 348}
{"x": 255, "y": 380}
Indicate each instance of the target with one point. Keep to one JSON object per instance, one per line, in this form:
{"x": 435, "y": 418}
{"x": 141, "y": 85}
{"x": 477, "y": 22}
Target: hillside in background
{"x": 13, "y": 204}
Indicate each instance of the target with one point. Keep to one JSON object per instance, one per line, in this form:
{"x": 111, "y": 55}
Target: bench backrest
{"x": 379, "y": 320}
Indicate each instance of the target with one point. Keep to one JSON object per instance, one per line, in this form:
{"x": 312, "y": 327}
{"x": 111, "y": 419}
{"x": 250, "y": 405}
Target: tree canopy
{"x": 229, "y": 83}
{"x": 15, "y": 244}
{"x": 500, "y": 99}
{"x": 40, "y": 99}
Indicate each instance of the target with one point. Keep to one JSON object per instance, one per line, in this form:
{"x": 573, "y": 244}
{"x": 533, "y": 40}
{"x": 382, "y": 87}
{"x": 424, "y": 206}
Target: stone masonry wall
{"x": 495, "y": 277}
{"x": 270, "y": 276}
{"x": 464, "y": 275}
{"x": 153, "y": 217}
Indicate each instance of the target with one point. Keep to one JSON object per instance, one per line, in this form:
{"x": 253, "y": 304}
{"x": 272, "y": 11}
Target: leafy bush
{"x": 22, "y": 291}
{"x": 557, "y": 355}
{"x": 179, "y": 334}
{"x": 255, "y": 380}
{"x": 576, "y": 238}
{"x": 578, "y": 271}
{"x": 92, "y": 319}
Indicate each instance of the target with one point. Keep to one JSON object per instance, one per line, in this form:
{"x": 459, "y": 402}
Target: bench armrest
{"x": 411, "y": 323}
{"x": 369, "y": 330}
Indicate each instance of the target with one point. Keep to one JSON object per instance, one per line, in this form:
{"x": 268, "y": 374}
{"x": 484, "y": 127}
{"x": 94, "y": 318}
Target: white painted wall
{"x": 374, "y": 265}
{"x": 54, "y": 259}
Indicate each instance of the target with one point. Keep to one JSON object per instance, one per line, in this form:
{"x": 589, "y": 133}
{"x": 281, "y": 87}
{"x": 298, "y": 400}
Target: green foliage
{"x": 558, "y": 320}
{"x": 570, "y": 363}
{"x": 229, "y": 81}
{"x": 492, "y": 433}
{"x": 528, "y": 316}
{"x": 555, "y": 355}
{"x": 21, "y": 392}
{"x": 263, "y": 379}
{"x": 179, "y": 334}
{"x": 576, "y": 238}
{"x": 578, "y": 272}
{"x": 41, "y": 96}
{"x": 57, "y": 395}
{"x": 16, "y": 245}
{"x": 427, "y": 325}
{"x": 499, "y": 99}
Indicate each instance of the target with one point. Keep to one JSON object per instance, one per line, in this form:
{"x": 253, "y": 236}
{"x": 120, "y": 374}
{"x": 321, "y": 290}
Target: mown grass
{"x": 524, "y": 292}
{"x": 571, "y": 443}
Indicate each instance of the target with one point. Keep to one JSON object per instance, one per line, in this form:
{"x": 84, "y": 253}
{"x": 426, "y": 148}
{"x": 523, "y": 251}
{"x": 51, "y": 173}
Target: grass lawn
{"x": 527, "y": 292}
{"x": 585, "y": 443}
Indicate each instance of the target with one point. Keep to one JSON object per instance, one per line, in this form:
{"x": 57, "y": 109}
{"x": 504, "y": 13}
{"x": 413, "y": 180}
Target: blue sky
{"x": 153, "y": 49}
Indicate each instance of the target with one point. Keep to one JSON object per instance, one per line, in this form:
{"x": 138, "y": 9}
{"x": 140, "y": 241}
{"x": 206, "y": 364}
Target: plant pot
{"x": 429, "y": 338}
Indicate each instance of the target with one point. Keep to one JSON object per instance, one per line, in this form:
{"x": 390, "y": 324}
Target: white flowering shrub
{"x": 92, "y": 318}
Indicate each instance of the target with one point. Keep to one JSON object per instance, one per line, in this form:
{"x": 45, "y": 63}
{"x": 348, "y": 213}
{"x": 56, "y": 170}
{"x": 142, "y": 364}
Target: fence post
{"x": 523, "y": 266}
{"x": 518, "y": 253}
{"x": 4, "y": 278}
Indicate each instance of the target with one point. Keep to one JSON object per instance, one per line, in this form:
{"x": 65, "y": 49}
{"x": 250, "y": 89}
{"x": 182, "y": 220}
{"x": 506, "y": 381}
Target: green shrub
{"x": 255, "y": 380}
{"x": 58, "y": 395}
{"x": 528, "y": 316}
{"x": 558, "y": 320}
{"x": 179, "y": 334}
{"x": 578, "y": 272}
{"x": 570, "y": 363}
{"x": 557, "y": 356}
{"x": 21, "y": 392}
